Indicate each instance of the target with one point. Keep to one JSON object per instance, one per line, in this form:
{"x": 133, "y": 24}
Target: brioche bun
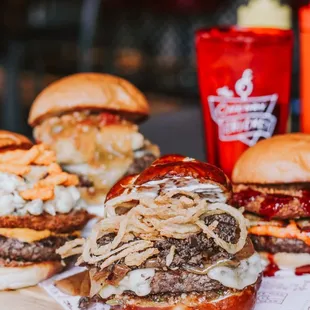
{"x": 280, "y": 159}
{"x": 12, "y": 278}
{"x": 238, "y": 300}
{"x": 11, "y": 140}
{"x": 92, "y": 91}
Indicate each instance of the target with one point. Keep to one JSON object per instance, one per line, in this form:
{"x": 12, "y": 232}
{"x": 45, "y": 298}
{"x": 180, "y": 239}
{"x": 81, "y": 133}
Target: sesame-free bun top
{"x": 12, "y": 140}
{"x": 280, "y": 159}
{"x": 92, "y": 91}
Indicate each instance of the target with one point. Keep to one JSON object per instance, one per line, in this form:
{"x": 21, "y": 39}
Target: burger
{"x": 89, "y": 120}
{"x": 170, "y": 241}
{"x": 272, "y": 183}
{"x": 40, "y": 209}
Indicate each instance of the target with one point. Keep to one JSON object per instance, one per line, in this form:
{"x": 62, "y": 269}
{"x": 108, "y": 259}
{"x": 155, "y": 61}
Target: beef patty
{"x": 43, "y": 250}
{"x": 275, "y": 245}
{"x": 274, "y": 201}
{"x": 141, "y": 163}
{"x": 195, "y": 249}
{"x": 181, "y": 281}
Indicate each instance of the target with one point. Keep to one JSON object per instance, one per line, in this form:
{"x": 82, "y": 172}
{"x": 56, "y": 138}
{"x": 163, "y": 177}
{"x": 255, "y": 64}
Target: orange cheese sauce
{"x": 291, "y": 231}
{"x": 30, "y": 235}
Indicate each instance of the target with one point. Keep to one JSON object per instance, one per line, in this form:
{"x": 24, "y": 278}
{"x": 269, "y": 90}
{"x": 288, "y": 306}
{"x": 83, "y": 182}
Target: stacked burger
{"x": 271, "y": 181}
{"x": 40, "y": 209}
{"x": 170, "y": 241}
{"x": 89, "y": 120}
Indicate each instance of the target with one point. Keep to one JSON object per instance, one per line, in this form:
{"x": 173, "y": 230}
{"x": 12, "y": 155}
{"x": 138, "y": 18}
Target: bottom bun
{"x": 12, "y": 278}
{"x": 231, "y": 300}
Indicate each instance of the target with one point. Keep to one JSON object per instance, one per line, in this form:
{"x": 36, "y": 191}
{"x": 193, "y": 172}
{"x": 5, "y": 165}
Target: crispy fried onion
{"x": 173, "y": 215}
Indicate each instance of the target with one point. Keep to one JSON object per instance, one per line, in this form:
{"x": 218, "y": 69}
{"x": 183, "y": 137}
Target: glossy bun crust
{"x": 280, "y": 159}
{"x": 11, "y": 141}
{"x": 92, "y": 91}
{"x": 239, "y": 300}
{"x": 171, "y": 166}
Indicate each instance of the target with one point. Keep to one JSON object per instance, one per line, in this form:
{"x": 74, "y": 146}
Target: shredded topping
{"x": 21, "y": 163}
{"x": 175, "y": 214}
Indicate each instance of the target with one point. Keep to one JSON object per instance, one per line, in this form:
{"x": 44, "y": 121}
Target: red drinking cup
{"x": 244, "y": 77}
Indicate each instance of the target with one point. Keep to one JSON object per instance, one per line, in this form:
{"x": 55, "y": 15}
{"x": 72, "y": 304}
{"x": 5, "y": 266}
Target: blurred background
{"x": 151, "y": 43}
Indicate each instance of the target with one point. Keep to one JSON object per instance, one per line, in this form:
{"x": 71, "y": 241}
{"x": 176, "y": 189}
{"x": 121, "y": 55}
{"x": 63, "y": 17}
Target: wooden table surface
{"x": 34, "y": 298}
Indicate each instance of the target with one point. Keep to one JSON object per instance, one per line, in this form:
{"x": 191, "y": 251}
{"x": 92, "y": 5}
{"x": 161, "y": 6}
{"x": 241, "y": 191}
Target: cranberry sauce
{"x": 242, "y": 198}
{"x": 271, "y": 268}
{"x": 302, "y": 270}
{"x": 269, "y": 205}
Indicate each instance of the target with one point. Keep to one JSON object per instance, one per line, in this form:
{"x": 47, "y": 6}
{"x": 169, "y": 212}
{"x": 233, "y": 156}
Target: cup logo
{"x": 242, "y": 117}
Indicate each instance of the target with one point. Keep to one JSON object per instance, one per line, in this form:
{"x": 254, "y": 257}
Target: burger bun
{"x": 239, "y": 300}
{"x": 280, "y": 159}
{"x": 89, "y": 91}
{"x": 12, "y": 278}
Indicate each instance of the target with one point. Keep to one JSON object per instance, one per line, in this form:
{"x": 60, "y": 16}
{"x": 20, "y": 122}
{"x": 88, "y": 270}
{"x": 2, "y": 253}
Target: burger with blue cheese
{"x": 169, "y": 240}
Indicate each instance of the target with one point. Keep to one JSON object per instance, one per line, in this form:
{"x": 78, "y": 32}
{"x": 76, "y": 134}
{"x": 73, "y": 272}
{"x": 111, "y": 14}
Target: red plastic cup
{"x": 245, "y": 78}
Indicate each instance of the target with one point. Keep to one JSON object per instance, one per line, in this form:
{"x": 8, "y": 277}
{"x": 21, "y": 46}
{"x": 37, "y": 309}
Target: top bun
{"x": 280, "y": 159}
{"x": 175, "y": 166}
{"x": 92, "y": 91}
{"x": 11, "y": 140}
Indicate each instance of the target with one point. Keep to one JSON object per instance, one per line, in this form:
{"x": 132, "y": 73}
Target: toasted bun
{"x": 12, "y": 278}
{"x": 280, "y": 159}
{"x": 240, "y": 300}
{"x": 171, "y": 166}
{"x": 92, "y": 91}
{"x": 11, "y": 140}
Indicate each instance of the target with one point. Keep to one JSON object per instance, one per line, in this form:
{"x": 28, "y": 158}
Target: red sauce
{"x": 108, "y": 119}
{"x": 302, "y": 270}
{"x": 272, "y": 203}
{"x": 272, "y": 268}
{"x": 244, "y": 197}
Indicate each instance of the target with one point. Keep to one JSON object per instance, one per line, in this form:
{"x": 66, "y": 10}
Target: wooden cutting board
{"x": 34, "y": 298}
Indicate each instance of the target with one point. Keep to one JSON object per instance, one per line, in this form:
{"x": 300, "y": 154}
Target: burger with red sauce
{"x": 272, "y": 183}
{"x": 89, "y": 120}
{"x": 169, "y": 240}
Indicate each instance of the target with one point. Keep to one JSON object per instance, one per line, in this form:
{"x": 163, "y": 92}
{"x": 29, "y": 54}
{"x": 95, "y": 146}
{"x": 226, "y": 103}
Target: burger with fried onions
{"x": 169, "y": 240}
{"x": 90, "y": 121}
{"x": 40, "y": 209}
{"x": 272, "y": 182}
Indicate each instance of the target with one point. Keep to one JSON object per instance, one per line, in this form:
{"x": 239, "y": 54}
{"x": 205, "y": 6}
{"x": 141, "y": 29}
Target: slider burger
{"x": 89, "y": 120}
{"x": 170, "y": 241}
{"x": 272, "y": 183}
{"x": 40, "y": 209}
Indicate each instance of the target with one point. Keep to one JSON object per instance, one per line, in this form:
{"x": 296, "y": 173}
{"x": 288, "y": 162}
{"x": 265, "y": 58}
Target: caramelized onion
{"x": 208, "y": 267}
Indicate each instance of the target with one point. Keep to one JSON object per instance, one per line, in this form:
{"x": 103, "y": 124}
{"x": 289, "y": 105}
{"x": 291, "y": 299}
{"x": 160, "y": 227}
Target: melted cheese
{"x": 240, "y": 277}
{"x": 30, "y": 235}
{"x": 137, "y": 281}
{"x": 291, "y": 231}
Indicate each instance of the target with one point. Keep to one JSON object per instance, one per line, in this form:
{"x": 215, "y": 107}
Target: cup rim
{"x": 238, "y": 33}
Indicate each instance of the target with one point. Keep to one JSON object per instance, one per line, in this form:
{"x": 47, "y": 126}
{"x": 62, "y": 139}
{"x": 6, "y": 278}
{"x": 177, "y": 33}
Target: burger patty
{"x": 181, "y": 281}
{"x": 196, "y": 249}
{"x": 60, "y": 223}
{"x": 43, "y": 250}
{"x": 141, "y": 163}
{"x": 275, "y": 245}
{"x": 273, "y": 202}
